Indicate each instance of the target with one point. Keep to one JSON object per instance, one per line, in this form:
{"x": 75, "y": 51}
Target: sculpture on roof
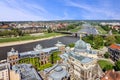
{"x": 38, "y": 48}
{"x": 12, "y": 52}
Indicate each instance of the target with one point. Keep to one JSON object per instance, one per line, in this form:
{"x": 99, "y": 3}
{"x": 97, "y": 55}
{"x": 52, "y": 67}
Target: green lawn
{"x": 104, "y": 63}
{"x": 101, "y": 30}
{"x": 42, "y": 67}
{"x": 28, "y": 37}
{"x": 75, "y": 29}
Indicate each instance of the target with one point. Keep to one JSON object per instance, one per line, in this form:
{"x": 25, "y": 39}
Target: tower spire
{"x": 80, "y": 36}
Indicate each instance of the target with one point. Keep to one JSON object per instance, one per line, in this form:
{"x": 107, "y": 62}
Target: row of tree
{"x": 98, "y": 41}
{"x": 108, "y": 28}
{"x": 13, "y": 32}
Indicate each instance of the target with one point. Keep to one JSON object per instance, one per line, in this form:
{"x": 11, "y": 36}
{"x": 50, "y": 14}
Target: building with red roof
{"x": 111, "y": 75}
{"x": 114, "y": 51}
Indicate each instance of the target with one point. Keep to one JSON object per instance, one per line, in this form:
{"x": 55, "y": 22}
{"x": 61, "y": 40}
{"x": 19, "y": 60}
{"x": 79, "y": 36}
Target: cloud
{"x": 21, "y": 10}
{"x": 17, "y": 13}
{"x": 95, "y": 12}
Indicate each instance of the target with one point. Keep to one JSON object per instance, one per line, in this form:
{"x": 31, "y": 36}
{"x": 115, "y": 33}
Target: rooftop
{"x": 4, "y": 66}
{"x": 35, "y": 52}
{"x": 115, "y": 46}
{"x": 57, "y": 72}
{"x": 26, "y": 71}
{"x": 111, "y": 75}
{"x": 80, "y": 44}
{"x": 59, "y": 43}
{"x": 81, "y": 58}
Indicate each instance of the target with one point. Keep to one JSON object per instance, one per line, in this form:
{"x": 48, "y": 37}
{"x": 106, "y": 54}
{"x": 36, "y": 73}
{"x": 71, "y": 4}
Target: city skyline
{"x": 35, "y": 10}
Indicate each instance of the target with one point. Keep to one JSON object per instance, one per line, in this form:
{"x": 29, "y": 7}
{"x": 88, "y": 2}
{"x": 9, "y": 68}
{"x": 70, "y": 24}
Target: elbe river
{"x": 29, "y": 46}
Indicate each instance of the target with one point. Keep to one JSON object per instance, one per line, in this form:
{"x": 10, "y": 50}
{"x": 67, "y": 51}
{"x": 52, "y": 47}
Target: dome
{"x": 59, "y": 73}
{"x": 80, "y": 44}
{"x": 58, "y": 69}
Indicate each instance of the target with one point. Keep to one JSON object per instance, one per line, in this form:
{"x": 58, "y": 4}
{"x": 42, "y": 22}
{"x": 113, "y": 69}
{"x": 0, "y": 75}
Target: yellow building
{"x": 14, "y": 75}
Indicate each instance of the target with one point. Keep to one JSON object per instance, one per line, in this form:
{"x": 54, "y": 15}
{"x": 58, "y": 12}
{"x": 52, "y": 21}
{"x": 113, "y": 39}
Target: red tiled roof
{"x": 4, "y": 26}
{"x": 111, "y": 75}
{"x": 114, "y": 46}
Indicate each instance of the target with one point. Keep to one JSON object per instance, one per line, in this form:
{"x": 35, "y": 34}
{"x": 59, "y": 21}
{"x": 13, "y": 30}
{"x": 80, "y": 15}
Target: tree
{"x": 109, "y": 40}
{"x": 117, "y": 39}
{"x": 88, "y": 39}
{"x": 49, "y": 30}
{"x": 105, "y": 27}
{"x": 117, "y": 65}
{"x": 107, "y": 67}
{"x": 106, "y": 55}
{"x": 71, "y": 45}
{"x": 98, "y": 42}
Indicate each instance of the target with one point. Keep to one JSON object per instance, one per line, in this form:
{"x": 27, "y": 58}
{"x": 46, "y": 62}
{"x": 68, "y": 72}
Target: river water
{"x": 29, "y": 46}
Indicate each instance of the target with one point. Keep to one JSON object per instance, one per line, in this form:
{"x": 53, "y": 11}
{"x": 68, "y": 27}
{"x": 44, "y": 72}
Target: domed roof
{"x": 80, "y": 44}
{"x": 59, "y": 73}
{"x": 58, "y": 69}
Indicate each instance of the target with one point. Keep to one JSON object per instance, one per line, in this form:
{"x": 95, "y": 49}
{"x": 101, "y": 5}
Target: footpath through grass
{"x": 28, "y": 37}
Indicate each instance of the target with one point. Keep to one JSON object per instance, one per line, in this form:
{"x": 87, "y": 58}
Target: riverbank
{"x": 28, "y": 41}
{"x": 30, "y": 46}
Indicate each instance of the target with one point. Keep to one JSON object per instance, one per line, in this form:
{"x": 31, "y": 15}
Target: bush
{"x": 117, "y": 65}
{"x": 107, "y": 67}
{"x": 106, "y": 55}
{"x": 109, "y": 40}
{"x": 71, "y": 45}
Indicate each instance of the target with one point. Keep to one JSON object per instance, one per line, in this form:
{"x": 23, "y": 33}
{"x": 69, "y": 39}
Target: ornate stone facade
{"x": 13, "y": 57}
{"x": 82, "y": 61}
{"x": 61, "y": 46}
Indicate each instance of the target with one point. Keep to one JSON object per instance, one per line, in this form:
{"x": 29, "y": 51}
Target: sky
{"x": 45, "y": 10}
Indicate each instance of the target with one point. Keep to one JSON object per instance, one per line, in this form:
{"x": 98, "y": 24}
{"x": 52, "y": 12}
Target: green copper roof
{"x": 80, "y": 44}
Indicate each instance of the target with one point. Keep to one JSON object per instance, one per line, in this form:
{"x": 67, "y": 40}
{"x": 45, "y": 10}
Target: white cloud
{"x": 95, "y": 12}
{"x": 16, "y": 14}
{"x": 14, "y": 10}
